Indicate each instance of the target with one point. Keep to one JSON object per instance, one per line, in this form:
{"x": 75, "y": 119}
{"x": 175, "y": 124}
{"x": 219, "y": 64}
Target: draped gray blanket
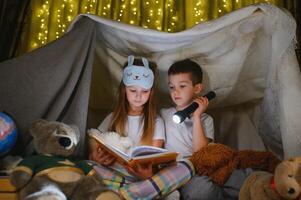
{"x": 247, "y": 56}
{"x": 51, "y": 82}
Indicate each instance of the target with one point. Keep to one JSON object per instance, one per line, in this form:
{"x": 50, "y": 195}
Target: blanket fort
{"x": 248, "y": 58}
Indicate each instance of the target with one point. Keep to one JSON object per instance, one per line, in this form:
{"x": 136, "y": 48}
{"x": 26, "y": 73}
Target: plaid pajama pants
{"x": 159, "y": 185}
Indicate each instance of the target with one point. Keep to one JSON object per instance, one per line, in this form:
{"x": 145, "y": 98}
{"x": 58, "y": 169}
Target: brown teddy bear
{"x": 285, "y": 183}
{"x": 218, "y": 161}
{"x": 52, "y": 174}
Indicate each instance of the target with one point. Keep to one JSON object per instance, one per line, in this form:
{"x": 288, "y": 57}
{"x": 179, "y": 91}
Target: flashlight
{"x": 181, "y": 115}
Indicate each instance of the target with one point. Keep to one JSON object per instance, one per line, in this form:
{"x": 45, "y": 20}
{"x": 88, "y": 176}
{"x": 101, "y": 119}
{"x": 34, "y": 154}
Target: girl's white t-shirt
{"x": 134, "y": 128}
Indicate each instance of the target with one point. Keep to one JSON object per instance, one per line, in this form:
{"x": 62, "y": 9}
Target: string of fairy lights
{"x": 50, "y": 18}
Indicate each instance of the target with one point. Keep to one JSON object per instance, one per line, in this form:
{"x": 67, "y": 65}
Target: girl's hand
{"x": 203, "y": 105}
{"x": 102, "y": 157}
{"x": 142, "y": 171}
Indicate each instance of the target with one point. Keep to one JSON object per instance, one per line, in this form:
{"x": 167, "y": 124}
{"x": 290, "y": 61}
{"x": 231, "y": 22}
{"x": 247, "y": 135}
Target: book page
{"x": 146, "y": 150}
{"x": 111, "y": 149}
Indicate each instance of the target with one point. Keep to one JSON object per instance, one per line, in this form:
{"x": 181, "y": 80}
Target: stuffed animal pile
{"x": 284, "y": 184}
{"x": 52, "y": 174}
{"x": 218, "y": 161}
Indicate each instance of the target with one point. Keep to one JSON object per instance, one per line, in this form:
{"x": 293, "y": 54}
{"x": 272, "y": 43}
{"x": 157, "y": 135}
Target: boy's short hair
{"x": 187, "y": 66}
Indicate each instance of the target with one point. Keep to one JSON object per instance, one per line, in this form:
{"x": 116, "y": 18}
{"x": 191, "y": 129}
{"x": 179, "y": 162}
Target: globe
{"x": 8, "y": 133}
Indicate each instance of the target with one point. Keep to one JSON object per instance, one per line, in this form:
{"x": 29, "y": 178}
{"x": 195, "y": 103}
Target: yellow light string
{"x": 92, "y": 6}
{"x": 248, "y": 2}
{"x": 50, "y": 19}
{"x": 71, "y": 10}
{"x": 267, "y": 1}
{"x": 120, "y": 13}
{"x": 134, "y": 12}
{"x": 127, "y": 11}
{"x": 196, "y": 11}
{"x": 57, "y": 19}
{"x": 104, "y": 8}
{"x": 40, "y": 28}
{"x": 226, "y": 6}
{"x": 152, "y": 14}
{"x": 83, "y": 6}
{"x": 174, "y": 16}
{"x": 237, "y": 4}
{"x": 221, "y": 7}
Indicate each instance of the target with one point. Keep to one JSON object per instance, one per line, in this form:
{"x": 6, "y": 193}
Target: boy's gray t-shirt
{"x": 179, "y": 136}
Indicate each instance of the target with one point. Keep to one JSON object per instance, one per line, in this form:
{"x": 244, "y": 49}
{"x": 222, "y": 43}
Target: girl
{"x": 135, "y": 116}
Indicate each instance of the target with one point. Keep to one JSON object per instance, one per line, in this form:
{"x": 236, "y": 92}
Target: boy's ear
{"x": 198, "y": 88}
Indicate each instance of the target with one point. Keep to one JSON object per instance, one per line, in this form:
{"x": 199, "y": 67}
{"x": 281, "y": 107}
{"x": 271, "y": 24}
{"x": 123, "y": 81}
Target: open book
{"x": 140, "y": 154}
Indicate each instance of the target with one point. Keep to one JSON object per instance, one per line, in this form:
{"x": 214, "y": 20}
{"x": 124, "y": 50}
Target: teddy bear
{"x": 285, "y": 183}
{"x": 52, "y": 174}
{"x": 218, "y": 161}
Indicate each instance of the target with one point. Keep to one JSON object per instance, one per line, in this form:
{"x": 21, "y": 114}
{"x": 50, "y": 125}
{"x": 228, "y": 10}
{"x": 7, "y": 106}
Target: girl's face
{"x": 137, "y": 96}
{"x": 182, "y": 90}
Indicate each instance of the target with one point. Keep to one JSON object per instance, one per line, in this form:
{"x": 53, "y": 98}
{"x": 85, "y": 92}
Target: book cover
{"x": 139, "y": 154}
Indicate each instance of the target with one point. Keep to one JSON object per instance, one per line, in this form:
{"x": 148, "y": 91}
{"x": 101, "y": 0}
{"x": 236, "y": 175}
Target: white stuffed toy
{"x": 114, "y": 139}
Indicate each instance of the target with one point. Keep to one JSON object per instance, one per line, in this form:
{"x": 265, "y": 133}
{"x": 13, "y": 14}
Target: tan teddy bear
{"x": 284, "y": 184}
{"x": 52, "y": 173}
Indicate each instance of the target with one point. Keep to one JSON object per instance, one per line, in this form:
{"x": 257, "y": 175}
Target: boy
{"x": 185, "y": 86}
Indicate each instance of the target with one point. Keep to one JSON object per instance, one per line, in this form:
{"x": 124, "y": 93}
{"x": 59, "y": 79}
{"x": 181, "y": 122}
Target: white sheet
{"x": 248, "y": 58}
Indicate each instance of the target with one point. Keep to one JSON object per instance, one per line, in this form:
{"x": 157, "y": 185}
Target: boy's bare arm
{"x": 199, "y": 138}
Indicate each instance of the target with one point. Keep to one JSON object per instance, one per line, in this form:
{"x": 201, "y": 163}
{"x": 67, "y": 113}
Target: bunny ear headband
{"x": 141, "y": 76}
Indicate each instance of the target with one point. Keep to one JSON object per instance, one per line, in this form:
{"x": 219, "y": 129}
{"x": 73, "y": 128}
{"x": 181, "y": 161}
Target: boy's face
{"x": 182, "y": 90}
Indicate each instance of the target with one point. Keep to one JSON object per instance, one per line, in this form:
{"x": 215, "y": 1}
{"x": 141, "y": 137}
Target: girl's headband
{"x": 141, "y": 76}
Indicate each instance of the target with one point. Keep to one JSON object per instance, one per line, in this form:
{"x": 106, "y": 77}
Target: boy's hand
{"x": 102, "y": 156}
{"x": 203, "y": 105}
{"x": 142, "y": 171}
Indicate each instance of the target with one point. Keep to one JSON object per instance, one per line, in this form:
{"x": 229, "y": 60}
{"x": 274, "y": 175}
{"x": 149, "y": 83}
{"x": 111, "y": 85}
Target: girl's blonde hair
{"x": 119, "y": 116}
